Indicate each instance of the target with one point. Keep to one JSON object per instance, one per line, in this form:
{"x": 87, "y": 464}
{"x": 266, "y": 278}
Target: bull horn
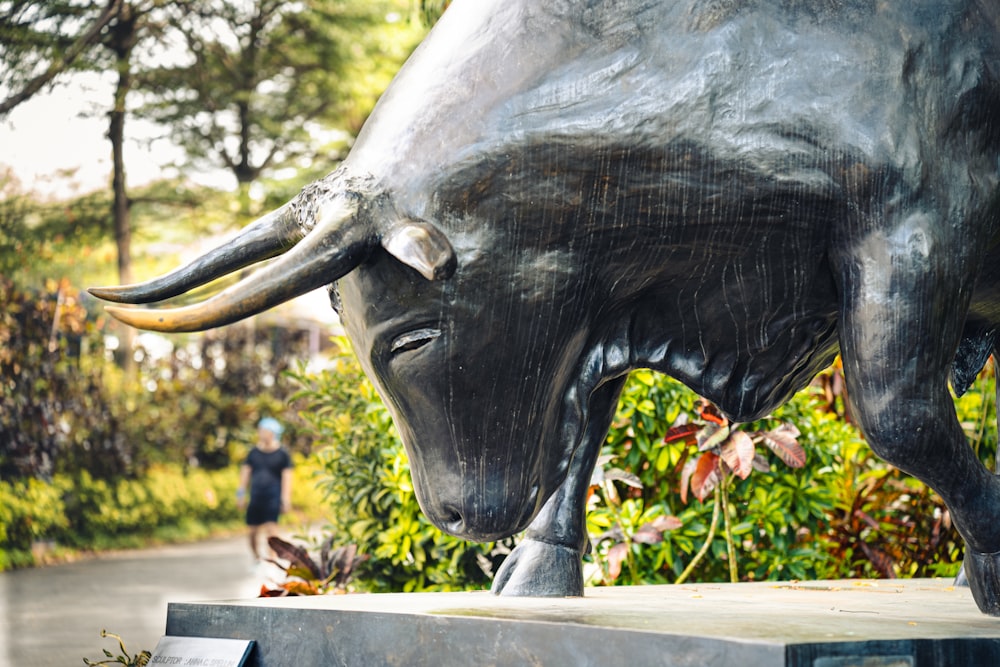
{"x": 267, "y": 237}
{"x": 338, "y": 243}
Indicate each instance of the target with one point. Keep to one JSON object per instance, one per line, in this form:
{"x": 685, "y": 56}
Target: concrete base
{"x": 884, "y": 623}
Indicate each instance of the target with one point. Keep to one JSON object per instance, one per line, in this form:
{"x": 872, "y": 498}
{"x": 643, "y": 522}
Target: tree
{"x": 15, "y": 236}
{"x": 43, "y": 40}
{"x": 258, "y": 81}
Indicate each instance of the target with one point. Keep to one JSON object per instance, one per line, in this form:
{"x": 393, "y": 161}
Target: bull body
{"x": 551, "y": 195}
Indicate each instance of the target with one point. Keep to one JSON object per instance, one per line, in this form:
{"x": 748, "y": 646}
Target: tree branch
{"x": 87, "y": 39}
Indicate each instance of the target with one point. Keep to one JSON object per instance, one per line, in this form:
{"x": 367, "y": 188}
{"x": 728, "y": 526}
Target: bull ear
{"x": 421, "y": 246}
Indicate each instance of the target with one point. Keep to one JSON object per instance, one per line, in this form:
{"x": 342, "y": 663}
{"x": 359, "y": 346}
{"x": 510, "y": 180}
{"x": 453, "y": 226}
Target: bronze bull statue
{"x": 552, "y": 194}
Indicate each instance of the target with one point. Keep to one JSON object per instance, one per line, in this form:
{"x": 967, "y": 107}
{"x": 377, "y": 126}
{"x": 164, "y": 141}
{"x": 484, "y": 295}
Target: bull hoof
{"x": 539, "y": 569}
{"x": 982, "y": 571}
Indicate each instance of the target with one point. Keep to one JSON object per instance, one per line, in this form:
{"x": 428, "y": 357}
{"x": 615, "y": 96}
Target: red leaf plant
{"x": 726, "y": 450}
{"x": 304, "y": 575}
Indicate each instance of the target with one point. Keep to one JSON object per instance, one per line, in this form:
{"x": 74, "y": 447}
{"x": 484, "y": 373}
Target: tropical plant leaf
{"x": 300, "y": 588}
{"x": 789, "y": 428}
{"x": 668, "y": 522}
{"x": 597, "y": 476}
{"x": 881, "y": 561}
{"x": 299, "y": 571}
{"x": 710, "y": 413}
{"x": 738, "y": 453}
{"x": 686, "y": 433}
{"x": 295, "y": 555}
{"x": 325, "y": 556}
{"x": 705, "y": 476}
{"x": 782, "y": 441}
{"x": 616, "y": 556}
{"x": 647, "y": 534}
{"x": 686, "y": 473}
{"x": 346, "y": 557}
{"x": 342, "y": 563}
{"x": 712, "y": 436}
{"x": 652, "y": 532}
{"x": 760, "y": 463}
{"x": 266, "y": 592}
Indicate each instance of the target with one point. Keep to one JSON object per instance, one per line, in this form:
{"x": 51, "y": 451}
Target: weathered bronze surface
{"x": 551, "y": 194}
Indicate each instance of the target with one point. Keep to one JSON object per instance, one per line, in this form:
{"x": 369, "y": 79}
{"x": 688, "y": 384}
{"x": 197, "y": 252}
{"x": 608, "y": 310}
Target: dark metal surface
{"x": 551, "y": 194}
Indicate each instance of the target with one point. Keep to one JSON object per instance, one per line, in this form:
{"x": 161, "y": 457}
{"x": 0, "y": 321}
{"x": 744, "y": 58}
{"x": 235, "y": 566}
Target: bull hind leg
{"x": 904, "y": 296}
{"x": 978, "y": 344}
{"x": 981, "y": 571}
{"x": 974, "y": 352}
{"x": 547, "y": 561}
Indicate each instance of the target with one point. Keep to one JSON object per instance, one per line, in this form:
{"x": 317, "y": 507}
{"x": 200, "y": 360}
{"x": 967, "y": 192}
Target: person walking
{"x": 266, "y": 474}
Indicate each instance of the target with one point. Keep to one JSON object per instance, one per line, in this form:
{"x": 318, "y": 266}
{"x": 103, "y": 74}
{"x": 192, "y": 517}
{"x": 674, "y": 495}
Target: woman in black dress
{"x": 267, "y": 473}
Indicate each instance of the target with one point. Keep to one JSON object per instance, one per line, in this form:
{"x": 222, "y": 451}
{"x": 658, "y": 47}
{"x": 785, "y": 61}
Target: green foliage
{"x": 168, "y": 503}
{"x": 82, "y": 512}
{"x": 71, "y": 239}
{"x": 366, "y": 481}
{"x": 50, "y": 411}
{"x": 66, "y": 408}
{"x": 844, "y": 514}
{"x": 17, "y": 243}
{"x": 431, "y": 10}
{"x": 202, "y": 401}
{"x": 778, "y": 516}
{"x": 977, "y": 413}
{"x": 258, "y": 80}
{"x": 42, "y": 39}
{"x": 30, "y": 510}
{"x": 123, "y": 657}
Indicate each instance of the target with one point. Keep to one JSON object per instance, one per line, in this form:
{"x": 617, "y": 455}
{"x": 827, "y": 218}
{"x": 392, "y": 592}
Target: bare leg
{"x": 270, "y": 529}
{"x": 254, "y": 530}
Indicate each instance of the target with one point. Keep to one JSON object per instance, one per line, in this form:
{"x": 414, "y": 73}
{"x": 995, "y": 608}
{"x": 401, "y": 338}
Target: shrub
{"x": 777, "y": 515}
{"x": 84, "y": 512}
{"x": 845, "y": 514}
{"x": 65, "y": 408}
{"x": 50, "y": 409}
{"x": 30, "y": 510}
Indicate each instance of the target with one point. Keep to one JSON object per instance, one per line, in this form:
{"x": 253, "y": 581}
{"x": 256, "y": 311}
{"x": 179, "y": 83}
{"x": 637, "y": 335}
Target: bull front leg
{"x": 547, "y": 561}
{"x": 905, "y": 289}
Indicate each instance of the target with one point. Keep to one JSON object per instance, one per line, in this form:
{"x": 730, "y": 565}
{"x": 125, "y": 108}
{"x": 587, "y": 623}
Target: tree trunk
{"x": 120, "y": 206}
{"x": 123, "y": 39}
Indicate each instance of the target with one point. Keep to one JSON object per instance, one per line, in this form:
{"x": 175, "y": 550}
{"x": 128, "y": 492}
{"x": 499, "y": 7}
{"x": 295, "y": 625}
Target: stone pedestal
{"x": 909, "y": 623}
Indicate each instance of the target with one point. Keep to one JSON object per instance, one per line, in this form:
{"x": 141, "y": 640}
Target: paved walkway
{"x": 53, "y": 616}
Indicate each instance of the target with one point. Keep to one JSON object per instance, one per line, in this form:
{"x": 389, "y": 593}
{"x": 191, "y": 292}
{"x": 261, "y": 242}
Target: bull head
{"x": 444, "y": 332}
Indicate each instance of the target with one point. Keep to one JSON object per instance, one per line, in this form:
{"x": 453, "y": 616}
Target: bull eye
{"x": 412, "y": 340}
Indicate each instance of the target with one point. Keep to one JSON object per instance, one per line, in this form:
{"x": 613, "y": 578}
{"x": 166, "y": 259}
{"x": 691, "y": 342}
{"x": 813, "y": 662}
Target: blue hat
{"x": 272, "y": 425}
